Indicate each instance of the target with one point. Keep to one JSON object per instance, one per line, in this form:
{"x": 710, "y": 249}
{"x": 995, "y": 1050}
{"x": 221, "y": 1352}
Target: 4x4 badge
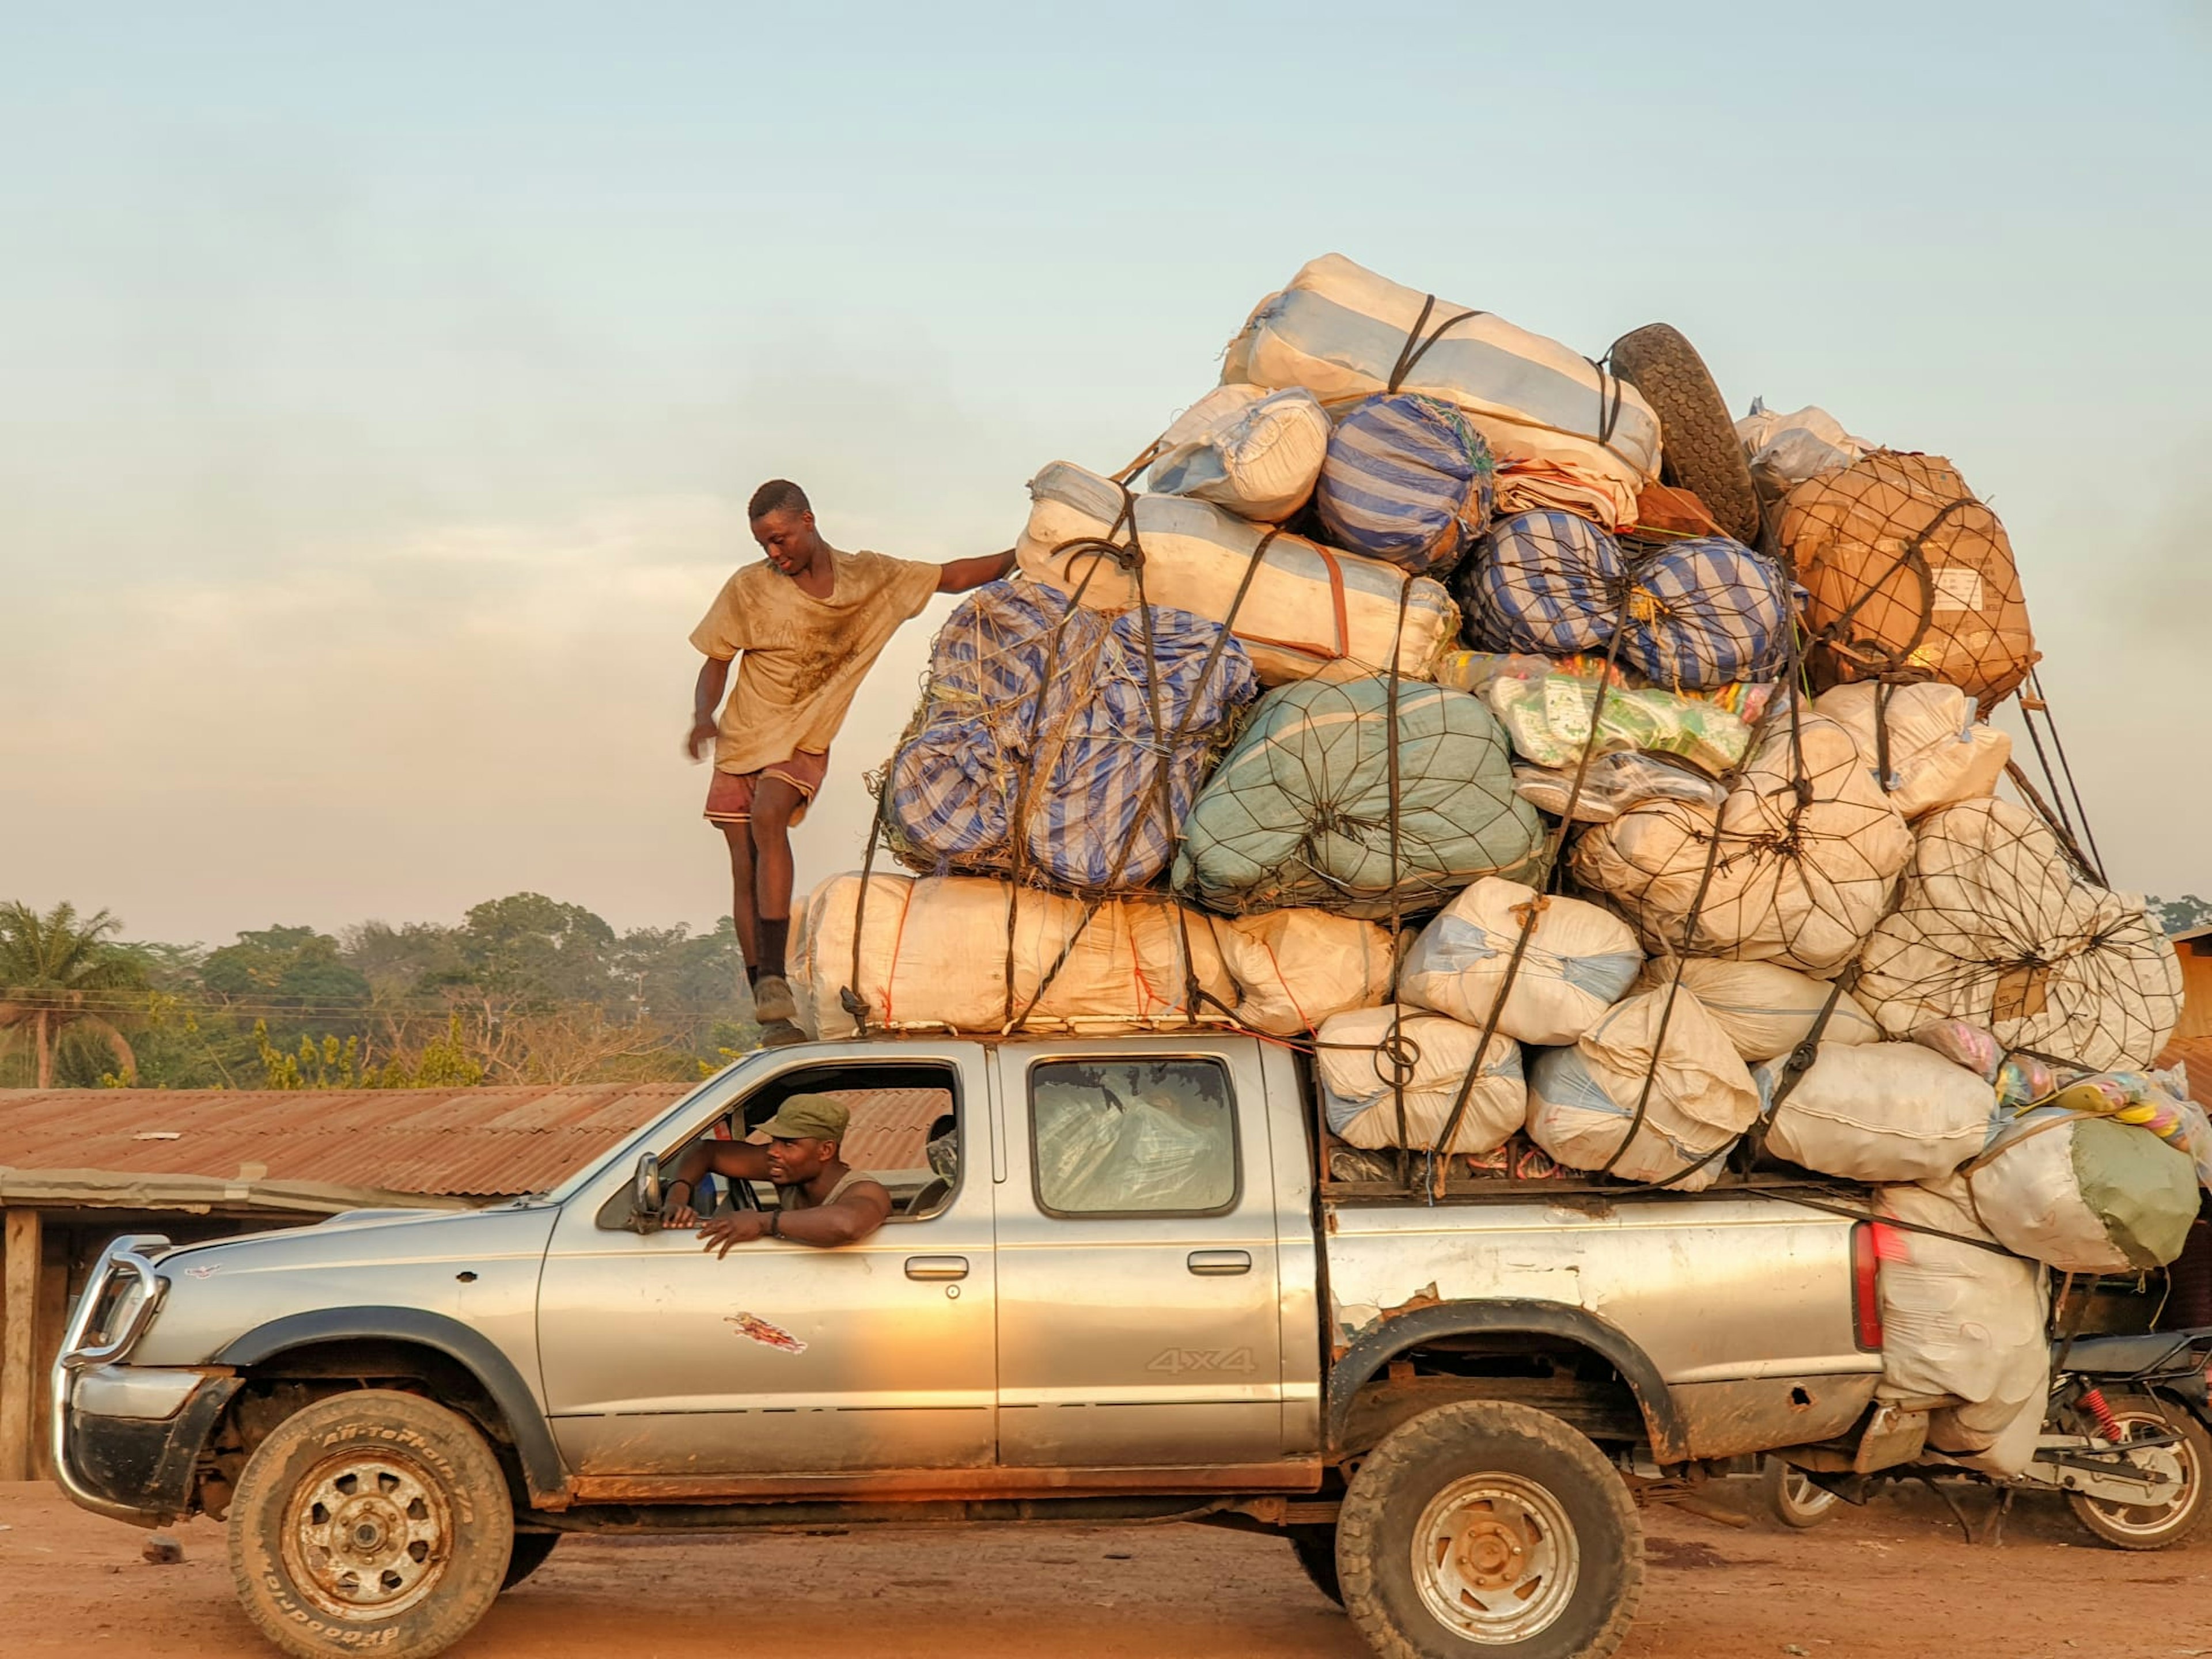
{"x": 1201, "y": 1359}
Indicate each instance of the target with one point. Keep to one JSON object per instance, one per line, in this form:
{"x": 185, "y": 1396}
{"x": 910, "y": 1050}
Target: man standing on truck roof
{"x": 820, "y": 1199}
{"x": 805, "y": 626}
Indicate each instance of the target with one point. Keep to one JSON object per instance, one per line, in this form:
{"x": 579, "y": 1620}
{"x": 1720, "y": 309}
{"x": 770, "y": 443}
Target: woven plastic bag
{"x": 1359, "y": 1057}
{"x": 1298, "y": 812}
{"x": 1704, "y": 613}
{"x": 1926, "y": 746}
{"x": 1407, "y": 480}
{"x": 1879, "y": 1112}
{"x": 1907, "y": 576}
{"x": 1546, "y": 581}
{"x": 1578, "y": 962}
{"x": 1583, "y": 1100}
{"x": 1795, "y": 879}
{"x": 2085, "y": 1194}
{"x": 1254, "y": 452}
{"x": 1996, "y": 927}
{"x": 1768, "y": 1010}
{"x": 1094, "y": 731}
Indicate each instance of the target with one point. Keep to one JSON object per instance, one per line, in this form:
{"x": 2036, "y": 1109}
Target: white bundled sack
{"x": 1339, "y": 331}
{"x": 1254, "y": 452}
{"x": 1357, "y": 1065}
{"x": 1767, "y": 1009}
{"x": 1579, "y": 961}
{"x": 1963, "y": 1321}
{"x": 1798, "y": 885}
{"x": 1786, "y": 450}
{"x": 1939, "y": 753}
{"x": 2085, "y": 1194}
{"x": 1583, "y": 1100}
{"x": 1997, "y": 927}
{"x": 934, "y": 957}
{"x": 1309, "y": 611}
{"x": 1880, "y": 1111}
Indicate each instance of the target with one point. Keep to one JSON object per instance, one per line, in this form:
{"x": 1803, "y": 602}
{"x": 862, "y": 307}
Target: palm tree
{"x": 58, "y": 980}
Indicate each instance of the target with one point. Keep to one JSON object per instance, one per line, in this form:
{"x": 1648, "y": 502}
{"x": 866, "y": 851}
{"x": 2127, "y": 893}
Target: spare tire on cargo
{"x": 1362, "y": 1059}
{"x": 1298, "y": 812}
{"x": 1908, "y": 576}
{"x": 1699, "y": 449}
{"x": 1997, "y": 927}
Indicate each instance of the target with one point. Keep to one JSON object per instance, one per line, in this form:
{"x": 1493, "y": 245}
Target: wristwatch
{"x": 775, "y": 1224}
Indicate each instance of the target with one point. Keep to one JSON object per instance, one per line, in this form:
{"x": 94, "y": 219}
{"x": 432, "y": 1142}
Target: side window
{"x": 1152, "y": 1137}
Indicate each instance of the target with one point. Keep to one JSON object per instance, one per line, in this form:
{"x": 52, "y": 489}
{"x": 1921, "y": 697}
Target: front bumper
{"x": 137, "y": 1467}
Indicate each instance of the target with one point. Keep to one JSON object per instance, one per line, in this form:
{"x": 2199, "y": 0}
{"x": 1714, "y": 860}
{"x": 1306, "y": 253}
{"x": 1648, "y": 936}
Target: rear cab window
{"x": 1143, "y": 1137}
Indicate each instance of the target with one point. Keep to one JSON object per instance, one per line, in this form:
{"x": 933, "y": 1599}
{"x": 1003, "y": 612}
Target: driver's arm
{"x": 738, "y": 1160}
{"x": 859, "y": 1210}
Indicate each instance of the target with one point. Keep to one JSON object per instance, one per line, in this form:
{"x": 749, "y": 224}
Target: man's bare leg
{"x": 774, "y": 803}
{"x": 740, "y": 837}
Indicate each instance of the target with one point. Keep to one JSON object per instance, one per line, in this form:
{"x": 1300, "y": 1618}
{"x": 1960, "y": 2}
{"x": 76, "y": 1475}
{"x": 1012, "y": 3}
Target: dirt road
{"x": 1895, "y": 1581}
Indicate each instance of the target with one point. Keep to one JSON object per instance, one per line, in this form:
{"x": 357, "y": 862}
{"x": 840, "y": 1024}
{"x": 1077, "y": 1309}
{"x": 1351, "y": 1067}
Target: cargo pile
{"x": 1596, "y": 785}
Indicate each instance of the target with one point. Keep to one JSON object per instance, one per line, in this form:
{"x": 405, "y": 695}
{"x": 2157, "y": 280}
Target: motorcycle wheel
{"x": 2153, "y": 1526}
{"x": 1791, "y": 1497}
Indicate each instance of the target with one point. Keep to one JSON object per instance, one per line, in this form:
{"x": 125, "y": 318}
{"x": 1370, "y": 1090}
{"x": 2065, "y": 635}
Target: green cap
{"x": 807, "y": 1117}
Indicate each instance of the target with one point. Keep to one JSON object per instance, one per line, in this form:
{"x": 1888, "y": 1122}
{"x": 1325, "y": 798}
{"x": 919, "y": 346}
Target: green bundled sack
{"x": 1298, "y": 811}
{"x": 2084, "y": 1195}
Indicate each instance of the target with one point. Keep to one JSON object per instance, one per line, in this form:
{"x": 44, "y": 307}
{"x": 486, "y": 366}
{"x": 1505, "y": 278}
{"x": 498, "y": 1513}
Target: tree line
{"x": 525, "y": 989}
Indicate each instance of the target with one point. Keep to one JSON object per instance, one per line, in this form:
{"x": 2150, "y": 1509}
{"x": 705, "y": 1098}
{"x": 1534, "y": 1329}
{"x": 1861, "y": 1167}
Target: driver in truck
{"x": 820, "y": 1198}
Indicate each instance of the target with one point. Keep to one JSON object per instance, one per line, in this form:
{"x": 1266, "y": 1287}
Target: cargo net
{"x": 1908, "y": 576}
{"x": 1059, "y": 745}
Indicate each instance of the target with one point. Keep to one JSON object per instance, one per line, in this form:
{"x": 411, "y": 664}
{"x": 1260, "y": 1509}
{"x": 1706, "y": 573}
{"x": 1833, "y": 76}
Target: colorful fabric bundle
{"x": 1707, "y": 612}
{"x": 1407, "y": 480}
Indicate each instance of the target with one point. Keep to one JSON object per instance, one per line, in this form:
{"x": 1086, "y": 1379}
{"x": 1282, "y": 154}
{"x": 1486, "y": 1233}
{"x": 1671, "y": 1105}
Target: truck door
{"x": 1138, "y": 1321}
{"x": 661, "y": 1362}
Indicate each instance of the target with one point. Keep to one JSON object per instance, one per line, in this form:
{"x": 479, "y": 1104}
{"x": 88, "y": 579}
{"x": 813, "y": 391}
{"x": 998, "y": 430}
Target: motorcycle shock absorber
{"x": 2093, "y": 1400}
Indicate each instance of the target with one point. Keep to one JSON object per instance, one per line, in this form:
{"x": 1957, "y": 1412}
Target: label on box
{"x": 1957, "y": 588}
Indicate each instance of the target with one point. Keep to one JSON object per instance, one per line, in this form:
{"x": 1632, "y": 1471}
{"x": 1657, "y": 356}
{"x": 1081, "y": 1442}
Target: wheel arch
{"x": 294, "y": 1337}
{"x": 1555, "y": 1322}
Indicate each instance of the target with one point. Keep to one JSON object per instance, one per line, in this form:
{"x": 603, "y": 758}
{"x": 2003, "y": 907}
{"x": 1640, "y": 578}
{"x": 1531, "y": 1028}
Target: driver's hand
{"x": 740, "y": 1227}
{"x": 681, "y": 1216}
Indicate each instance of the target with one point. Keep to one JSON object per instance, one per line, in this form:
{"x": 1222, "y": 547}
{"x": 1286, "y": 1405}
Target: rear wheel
{"x": 371, "y": 1522}
{"x": 1486, "y": 1527}
{"x": 2187, "y": 1462}
{"x": 1791, "y": 1497}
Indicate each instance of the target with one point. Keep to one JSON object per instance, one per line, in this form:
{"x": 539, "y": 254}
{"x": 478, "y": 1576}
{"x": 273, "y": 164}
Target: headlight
{"x": 124, "y": 1304}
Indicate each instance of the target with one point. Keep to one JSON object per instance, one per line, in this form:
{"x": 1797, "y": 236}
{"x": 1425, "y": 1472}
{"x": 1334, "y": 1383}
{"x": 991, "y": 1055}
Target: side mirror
{"x": 645, "y": 1194}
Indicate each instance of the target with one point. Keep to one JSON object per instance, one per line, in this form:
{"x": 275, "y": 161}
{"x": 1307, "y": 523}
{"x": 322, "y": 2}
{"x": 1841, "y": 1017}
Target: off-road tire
{"x": 442, "y": 1464}
{"x": 1316, "y": 1548}
{"x": 2195, "y": 1454}
{"x": 1792, "y": 1499}
{"x": 1698, "y": 450}
{"x": 1419, "y": 1462}
{"x": 528, "y": 1553}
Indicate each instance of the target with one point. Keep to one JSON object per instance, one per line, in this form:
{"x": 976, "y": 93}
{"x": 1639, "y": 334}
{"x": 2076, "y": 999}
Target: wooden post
{"x": 46, "y": 1340}
{"x": 19, "y": 1310}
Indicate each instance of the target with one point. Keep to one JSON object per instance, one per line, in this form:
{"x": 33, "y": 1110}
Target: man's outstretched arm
{"x": 958, "y": 575}
{"x": 705, "y": 699}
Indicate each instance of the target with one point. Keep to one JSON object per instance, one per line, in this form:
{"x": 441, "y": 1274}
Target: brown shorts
{"x": 730, "y": 796}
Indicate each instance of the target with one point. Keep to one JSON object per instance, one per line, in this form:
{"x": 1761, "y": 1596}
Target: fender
{"x": 542, "y": 1472}
{"x": 1379, "y": 1343}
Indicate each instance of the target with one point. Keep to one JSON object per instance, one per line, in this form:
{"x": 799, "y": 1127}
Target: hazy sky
{"x": 379, "y": 388}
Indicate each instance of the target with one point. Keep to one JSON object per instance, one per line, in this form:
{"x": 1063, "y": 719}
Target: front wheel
{"x": 1492, "y": 1527}
{"x": 1316, "y": 1548}
{"x": 1791, "y": 1497}
{"x": 2187, "y": 1462}
{"x": 528, "y": 1553}
{"x": 373, "y": 1522}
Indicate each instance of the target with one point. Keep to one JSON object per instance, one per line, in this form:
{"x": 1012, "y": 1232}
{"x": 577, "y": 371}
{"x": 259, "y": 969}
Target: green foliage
{"x": 68, "y": 987}
{"x": 284, "y": 967}
{"x": 2179, "y": 915}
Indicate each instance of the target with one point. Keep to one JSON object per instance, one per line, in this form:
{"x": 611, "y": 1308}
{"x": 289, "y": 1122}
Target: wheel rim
{"x": 1802, "y": 1496}
{"x": 367, "y": 1534}
{"x": 1495, "y": 1557}
{"x": 2178, "y": 1463}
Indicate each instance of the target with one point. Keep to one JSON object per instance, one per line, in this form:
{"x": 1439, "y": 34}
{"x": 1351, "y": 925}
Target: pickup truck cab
{"x": 1125, "y": 1297}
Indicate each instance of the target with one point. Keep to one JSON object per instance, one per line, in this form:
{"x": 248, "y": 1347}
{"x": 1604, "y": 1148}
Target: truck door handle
{"x": 1220, "y": 1261}
{"x": 937, "y": 1266}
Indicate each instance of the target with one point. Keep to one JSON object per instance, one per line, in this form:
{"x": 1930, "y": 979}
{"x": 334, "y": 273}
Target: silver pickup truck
{"x": 1123, "y": 1295}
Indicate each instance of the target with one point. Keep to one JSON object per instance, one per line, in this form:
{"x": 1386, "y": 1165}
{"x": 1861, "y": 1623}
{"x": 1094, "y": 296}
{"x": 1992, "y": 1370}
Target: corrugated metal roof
{"x": 465, "y": 1142}
{"x": 2197, "y": 1053}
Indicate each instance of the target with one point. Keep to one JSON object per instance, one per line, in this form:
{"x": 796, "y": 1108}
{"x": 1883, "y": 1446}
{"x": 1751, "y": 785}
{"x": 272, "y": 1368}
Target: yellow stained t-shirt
{"x": 801, "y": 659}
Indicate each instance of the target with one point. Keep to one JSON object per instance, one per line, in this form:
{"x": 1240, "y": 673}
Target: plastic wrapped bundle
{"x": 1254, "y": 452}
{"x": 1578, "y": 962}
{"x": 966, "y": 953}
{"x": 1796, "y": 880}
{"x": 1785, "y": 450}
{"x": 1102, "y": 1148}
{"x": 1927, "y": 747}
{"x": 1583, "y": 1100}
{"x": 1360, "y": 1057}
{"x": 1547, "y": 716}
{"x": 1706, "y": 613}
{"x": 1612, "y": 784}
{"x": 1767, "y": 1009}
{"x": 1546, "y": 581}
{"x": 2085, "y": 1194}
{"x": 1997, "y": 927}
{"x": 1961, "y": 1320}
{"x": 1053, "y": 713}
{"x": 1407, "y": 481}
{"x": 1299, "y": 811}
{"x": 1879, "y": 1111}
{"x": 1345, "y": 333}
{"x": 1305, "y": 609}
{"x": 1908, "y": 576}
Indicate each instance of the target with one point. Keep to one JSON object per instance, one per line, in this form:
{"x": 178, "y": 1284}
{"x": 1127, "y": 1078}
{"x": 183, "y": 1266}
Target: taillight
{"x": 1871, "y": 1242}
